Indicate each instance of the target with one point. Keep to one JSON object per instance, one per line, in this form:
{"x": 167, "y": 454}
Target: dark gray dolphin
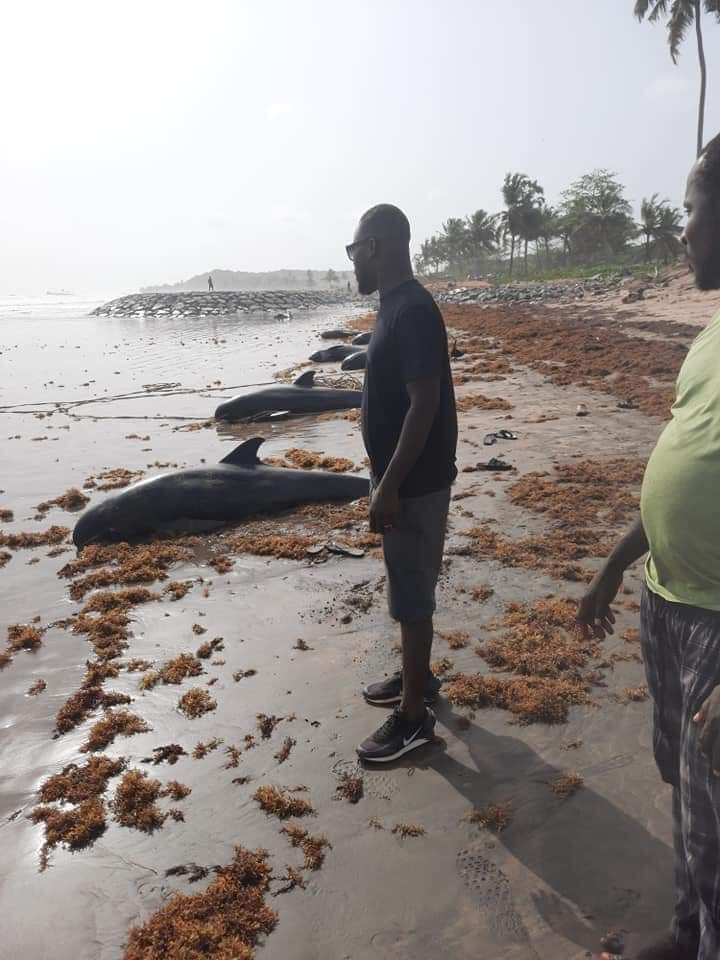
{"x": 331, "y": 354}
{"x": 338, "y": 333}
{"x": 203, "y": 497}
{"x": 298, "y": 397}
{"x": 356, "y": 361}
{"x": 362, "y": 339}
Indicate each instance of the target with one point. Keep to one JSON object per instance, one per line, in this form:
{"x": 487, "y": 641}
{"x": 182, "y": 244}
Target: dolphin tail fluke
{"x": 246, "y": 454}
{"x": 306, "y": 379}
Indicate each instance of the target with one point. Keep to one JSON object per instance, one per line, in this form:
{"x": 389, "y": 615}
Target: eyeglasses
{"x": 352, "y": 248}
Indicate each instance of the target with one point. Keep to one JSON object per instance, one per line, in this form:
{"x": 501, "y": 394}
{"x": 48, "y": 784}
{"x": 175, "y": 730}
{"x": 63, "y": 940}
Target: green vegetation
{"x": 591, "y": 230}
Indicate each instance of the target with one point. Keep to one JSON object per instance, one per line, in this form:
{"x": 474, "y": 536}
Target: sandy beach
{"x": 511, "y": 837}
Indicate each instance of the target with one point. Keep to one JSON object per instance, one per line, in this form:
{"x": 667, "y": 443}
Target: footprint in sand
{"x": 491, "y": 888}
{"x": 380, "y": 786}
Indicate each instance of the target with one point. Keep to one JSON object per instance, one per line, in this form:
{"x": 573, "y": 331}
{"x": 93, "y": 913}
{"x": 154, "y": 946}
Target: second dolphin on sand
{"x": 301, "y": 396}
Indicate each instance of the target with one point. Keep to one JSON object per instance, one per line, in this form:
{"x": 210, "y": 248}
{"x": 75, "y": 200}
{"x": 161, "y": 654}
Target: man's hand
{"x": 708, "y": 720}
{"x": 594, "y": 616}
{"x": 384, "y": 509}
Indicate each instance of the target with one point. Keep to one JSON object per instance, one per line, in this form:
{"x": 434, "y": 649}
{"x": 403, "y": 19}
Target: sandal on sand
{"x": 494, "y": 463}
{"x": 628, "y": 404}
{"x": 345, "y": 549}
{"x": 490, "y": 438}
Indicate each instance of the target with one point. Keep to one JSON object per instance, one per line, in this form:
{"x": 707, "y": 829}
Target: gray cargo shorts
{"x": 413, "y": 551}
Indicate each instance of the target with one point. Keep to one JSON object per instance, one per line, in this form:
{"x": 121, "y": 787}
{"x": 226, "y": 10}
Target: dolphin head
{"x": 105, "y": 521}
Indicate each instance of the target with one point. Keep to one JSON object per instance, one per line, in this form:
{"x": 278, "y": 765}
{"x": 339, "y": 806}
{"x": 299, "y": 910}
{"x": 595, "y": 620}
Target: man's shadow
{"x": 586, "y": 850}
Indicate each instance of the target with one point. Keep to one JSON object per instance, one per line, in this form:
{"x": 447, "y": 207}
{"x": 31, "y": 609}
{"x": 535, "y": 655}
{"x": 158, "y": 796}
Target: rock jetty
{"x": 559, "y": 291}
{"x": 219, "y": 303}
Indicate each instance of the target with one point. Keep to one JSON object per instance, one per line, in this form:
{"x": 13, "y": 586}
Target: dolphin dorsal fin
{"x": 306, "y": 379}
{"x": 246, "y": 454}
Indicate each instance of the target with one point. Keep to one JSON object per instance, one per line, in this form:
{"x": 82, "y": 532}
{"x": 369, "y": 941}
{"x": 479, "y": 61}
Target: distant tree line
{"x": 592, "y": 223}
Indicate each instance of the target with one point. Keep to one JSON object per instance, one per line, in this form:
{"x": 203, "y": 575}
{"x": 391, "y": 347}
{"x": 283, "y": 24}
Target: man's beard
{"x": 708, "y": 277}
{"x": 366, "y": 282}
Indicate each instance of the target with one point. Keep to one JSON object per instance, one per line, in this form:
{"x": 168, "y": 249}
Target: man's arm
{"x": 594, "y": 614}
{"x": 424, "y": 401}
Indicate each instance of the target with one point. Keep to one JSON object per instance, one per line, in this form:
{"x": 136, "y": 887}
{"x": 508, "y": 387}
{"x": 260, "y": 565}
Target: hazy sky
{"x": 143, "y": 142}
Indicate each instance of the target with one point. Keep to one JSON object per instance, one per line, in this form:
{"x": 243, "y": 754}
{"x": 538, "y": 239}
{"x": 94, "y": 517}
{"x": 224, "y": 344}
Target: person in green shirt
{"x": 679, "y": 529}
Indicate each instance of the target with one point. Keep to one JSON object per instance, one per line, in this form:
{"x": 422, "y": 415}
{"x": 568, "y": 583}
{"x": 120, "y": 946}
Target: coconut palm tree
{"x": 455, "y": 238}
{"x": 520, "y": 194}
{"x": 681, "y": 15}
{"x": 660, "y": 224}
{"x": 482, "y": 235}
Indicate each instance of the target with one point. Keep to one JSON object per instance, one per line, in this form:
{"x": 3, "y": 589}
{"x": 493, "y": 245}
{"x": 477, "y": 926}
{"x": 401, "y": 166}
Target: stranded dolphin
{"x": 237, "y": 487}
{"x": 299, "y": 397}
{"x": 362, "y": 339}
{"x": 331, "y": 354}
{"x": 356, "y": 361}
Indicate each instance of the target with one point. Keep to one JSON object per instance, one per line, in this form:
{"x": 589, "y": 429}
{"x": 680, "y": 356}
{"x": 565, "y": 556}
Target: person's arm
{"x": 594, "y": 614}
{"x": 424, "y": 400}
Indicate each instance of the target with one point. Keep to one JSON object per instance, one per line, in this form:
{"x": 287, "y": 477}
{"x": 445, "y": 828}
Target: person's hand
{"x": 708, "y": 720}
{"x": 384, "y": 509}
{"x": 594, "y": 616}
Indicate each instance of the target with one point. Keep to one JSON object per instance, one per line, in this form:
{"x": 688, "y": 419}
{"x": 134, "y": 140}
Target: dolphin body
{"x": 331, "y": 354}
{"x": 356, "y": 361}
{"x": 362, "y": 339}
{"x": 204, "y": 497}
{"x": 299, "y": 397}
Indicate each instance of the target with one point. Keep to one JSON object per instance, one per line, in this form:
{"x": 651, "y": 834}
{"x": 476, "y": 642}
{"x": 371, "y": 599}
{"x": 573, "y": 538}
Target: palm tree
{"x": 455, "y": 237}
{"x": 661, "y": 224}
{"x": 482, "y": 235}
{"x": 521, "y": 195}
{"x": 681, "y": 14}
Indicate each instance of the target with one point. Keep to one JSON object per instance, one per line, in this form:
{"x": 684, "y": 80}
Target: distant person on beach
{"x": 409, "y": 426}
{"x": 211, "y": 285}
{"x": 349, "y": 287}
{"x": 679, "y": 529}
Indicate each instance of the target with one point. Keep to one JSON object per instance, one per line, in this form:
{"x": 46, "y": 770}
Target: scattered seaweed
{"x": 441, "y": 666}
{"x": 313, "y": 847}
{"x": 26, "y": 541}
{"x": 529, "y": 699}
{"x": 177, "y": 589}
{"x": 243, "y": 674}
{"x": 225, "y": 921}
{"x": 6, "y": 516}
{"x": 284, "y": 752}
{"x": 409, "y": 830}
{"x": 266, "y": 724}
{"x": 173, "y": 671}
{"x": 476, "y": 401}
{"x": 72, "y": 500}
{"x": 123, "y": 563}
{"x": 176, "y": 791}
{"x": 196, "y": 702}
{"x": 280, "y": 803}
{"x": 75, "y": 784}
{"x": 455, "y": 639}
{"x": 222, "y": 564}
{"x": 495, "y": 816}
{"x": 203, "y": 748}
{"x": 76, "y": 828}
{"x": 481, "y": 593}
{"x": 23, "y": 636}
{"x": 169, "y": 753}
{"x": 567, "y": 785}
{"x": 206, "y": 650}
{"x": 351, "y": 787}
{"x": 134, "y": 802}
{"x": 635, "y": 694}
{"x": 36, "y": 687}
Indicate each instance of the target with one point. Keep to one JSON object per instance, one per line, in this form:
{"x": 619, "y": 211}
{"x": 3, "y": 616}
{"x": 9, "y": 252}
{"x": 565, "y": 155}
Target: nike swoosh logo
{"x": 407, "y": 740}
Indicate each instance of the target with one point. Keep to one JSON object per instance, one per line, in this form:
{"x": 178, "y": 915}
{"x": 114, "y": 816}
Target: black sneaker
{"x": 397, "y": 736}
{"x": 389, "y": 691}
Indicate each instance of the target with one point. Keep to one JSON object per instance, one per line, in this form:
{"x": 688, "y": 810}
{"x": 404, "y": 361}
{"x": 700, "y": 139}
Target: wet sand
{"x": 561, "y": 875}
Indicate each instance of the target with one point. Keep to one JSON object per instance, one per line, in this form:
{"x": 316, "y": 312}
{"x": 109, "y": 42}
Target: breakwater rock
{"x": 218, "y": 303}
{"x": 558, "y": 291}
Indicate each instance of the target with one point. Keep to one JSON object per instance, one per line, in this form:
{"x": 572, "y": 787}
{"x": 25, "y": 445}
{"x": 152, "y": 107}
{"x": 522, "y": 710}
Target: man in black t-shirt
{"x": 409, "y": 425}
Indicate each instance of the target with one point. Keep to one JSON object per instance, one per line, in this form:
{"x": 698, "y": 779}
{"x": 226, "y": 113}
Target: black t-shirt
{"x": 409, "y": 343}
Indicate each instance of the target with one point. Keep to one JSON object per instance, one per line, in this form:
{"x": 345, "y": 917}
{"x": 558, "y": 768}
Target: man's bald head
{"x": 382, "y": 247}
{"x": 701, "y": 235}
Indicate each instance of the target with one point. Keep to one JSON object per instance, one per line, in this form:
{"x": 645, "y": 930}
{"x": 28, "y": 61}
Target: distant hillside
{"x": 273, "y": 280}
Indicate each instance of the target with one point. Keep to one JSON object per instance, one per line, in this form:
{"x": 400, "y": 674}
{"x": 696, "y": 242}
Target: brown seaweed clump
{"x": 169, "y": 753}
{"x": 567, "y": 785}
{"x": 176, "y": 790}
{"x": 409, "y": 830}
{"x": 455, "y": 639}
{"x": 36, "y": 687}
{"x": 351, "y": 787}
{"x": 134, "y": 802}
{"x": 6, "y": 516}
{"x": 89, "y": 696}
{"x": 308, "y": 460}
{"x": 5, "y": 659}
{"x": 222, "y": 564}
{"x": 177, "y": 589}
{"x": 113, "y": 724}
{"x": 313, "y": 847}
{"x": 441, "y": 666}
{"x": 203, "y": 748}
{"x": 266, "y": 724}
{"x": 43, "y": 538}
{"x": 635, "y": 694}
{"x": 76, "y": 828}
{"x": 72, "y": 500}
{"x": 495, "y": 816}
{"x": 530, "y": 699}
{"x": 113, "y": 479}
{"x": 243, "y": 674}
{"x": 123, "y": 563}
{"x": 75, "y": 784}
{"x": 284, "y": 752}
{"x": 172, "y": 671}
{"x": 225, "y": 921}
{"x": 476, "y": 401}
{"x": 23, "y": 636}
{"x": 281, "y": 803}
{"x": 196, "y": 702}
{"x": 207, "y": 649}
{"x": 5, "y": 558}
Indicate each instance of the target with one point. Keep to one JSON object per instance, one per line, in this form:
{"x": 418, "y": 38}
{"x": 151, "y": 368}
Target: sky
{"x": 145, "y": 141}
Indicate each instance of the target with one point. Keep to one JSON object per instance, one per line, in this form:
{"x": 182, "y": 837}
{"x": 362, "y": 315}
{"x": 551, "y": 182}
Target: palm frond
{"x": 682, "y": 14}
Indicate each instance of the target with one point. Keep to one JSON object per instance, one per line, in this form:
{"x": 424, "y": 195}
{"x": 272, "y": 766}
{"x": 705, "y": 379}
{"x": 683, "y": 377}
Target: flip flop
{"x": 494, "y": 463}
{"x": 628, "y": 404}
{"x": 490, "y": 438}
{"x": 344, "y": 549}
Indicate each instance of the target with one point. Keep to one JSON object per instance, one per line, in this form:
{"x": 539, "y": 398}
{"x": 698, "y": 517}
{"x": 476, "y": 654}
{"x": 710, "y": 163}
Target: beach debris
{"x": 635, "y": 694}
{"x": 482, "y": 593}
{"x": 36, "y": 687}
{"x": 196, "y": 702}
{"x": 225, "y": 921}
{"x": 313, "y": 847}
{"x": 178, "y": 588}
{"x": 477, "y": 401}
{"x": 529, "y": 699}
{"x": 441, "y": 666}
{"x": 243, "y": 674}
{"x": 25, "y": 541}
{"x": 134, "y": 803}
{"x": 222, "y": 564}
{"x": 72, "y": 500}
{"x": 76, "y": 828}
{"x": 284, "y": 752}
{"x": 301, "y": 644}
{"x": 6, "y": 516}
{"x": 23, "y": 636}
{"x": 172, "y": 671}
{"x": 495, "y": 816}
{"x": 455, "y": 639}
{"x": 266, "y": 724}
{"x": 192, "y": 871}
{"x": 567, "y": 785}
{"x": 113, "y": 479}
{"x": 376, "y": 823}
{"x": 176, "y": 791}
{"x": 75, "y": 784}
{"x": 281, "y": 803}
{"x": 206, "y": 650}
{"x": 233, "y": 754}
